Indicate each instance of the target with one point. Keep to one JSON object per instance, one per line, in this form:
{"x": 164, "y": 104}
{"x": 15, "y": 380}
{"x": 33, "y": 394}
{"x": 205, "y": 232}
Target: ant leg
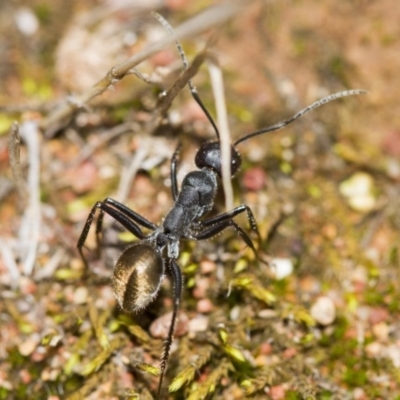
{"x": 131, "y": 224}
{"x": 177, "y": 280}
{"x": 174, "y": 180}
{"x": 134, "y": 216}
{"x": 124, "y": 210}
{"x": 220, "y": 226}
{"x": 231, "y": 214}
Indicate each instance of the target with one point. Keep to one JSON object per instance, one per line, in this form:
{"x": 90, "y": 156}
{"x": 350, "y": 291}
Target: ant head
{"x": 209, "y": 156}
{"x": 138, "y": 275}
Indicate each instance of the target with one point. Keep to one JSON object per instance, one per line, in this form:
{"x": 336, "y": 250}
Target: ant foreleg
{"x": 220, "y": 226}
{"x": 177, "y": 281}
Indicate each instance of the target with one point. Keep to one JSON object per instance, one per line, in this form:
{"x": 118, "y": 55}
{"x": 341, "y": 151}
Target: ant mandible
{"x": 140, "y": 269}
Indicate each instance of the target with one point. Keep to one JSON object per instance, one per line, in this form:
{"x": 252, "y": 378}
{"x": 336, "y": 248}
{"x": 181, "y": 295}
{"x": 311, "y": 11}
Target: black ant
{"x": 140, "y": 269}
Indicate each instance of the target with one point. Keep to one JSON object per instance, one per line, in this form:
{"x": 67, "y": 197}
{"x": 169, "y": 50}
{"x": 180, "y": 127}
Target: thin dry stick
{"x": 223, "y": 127}
{"x": 104, "y": 137}
{"x": 207, "y": 19}
{"x": 49, "y": 268}
{"x": 6, "y": 251}
{"x": 30, "y": 227}
{"x": 14, "y": 142}
{"x": 182, "y": 81}
{"x": 128, "y": 174}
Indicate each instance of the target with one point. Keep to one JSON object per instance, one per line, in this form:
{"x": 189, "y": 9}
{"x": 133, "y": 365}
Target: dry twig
{"x": 14, "y": 142}
{"x": 31, "y": 221}
{"x": 207, "y": 19}
{"x": 223, "y": 127}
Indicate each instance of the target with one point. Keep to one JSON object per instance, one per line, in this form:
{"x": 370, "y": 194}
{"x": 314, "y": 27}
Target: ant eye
{"x": 137, "y": 278}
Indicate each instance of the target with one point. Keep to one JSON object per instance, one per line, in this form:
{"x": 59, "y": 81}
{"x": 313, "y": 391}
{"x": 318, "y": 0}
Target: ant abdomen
{"x": 138, "y": 275}
{"x": 209, "y": 156}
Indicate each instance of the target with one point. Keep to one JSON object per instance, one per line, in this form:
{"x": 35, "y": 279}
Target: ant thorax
{"x": 195, "y": 199}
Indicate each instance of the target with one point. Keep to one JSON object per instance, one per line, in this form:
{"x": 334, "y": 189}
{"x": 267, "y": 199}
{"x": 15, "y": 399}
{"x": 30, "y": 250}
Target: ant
{"x": 140, "y": 269}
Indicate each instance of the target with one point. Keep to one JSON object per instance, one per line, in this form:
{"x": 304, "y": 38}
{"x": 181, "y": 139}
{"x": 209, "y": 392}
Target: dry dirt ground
{"x": 321, "y": 320}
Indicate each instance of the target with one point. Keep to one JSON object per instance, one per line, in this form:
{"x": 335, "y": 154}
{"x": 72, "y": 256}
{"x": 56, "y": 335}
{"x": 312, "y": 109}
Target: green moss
{"x": 4, "y": 393}
{"x": 325, "y": 395}
{"x": 43, "y": 13}
{"x": 291, "y": 395}
{"x": 355, "y": 377}
{"x": 374, "y": 298}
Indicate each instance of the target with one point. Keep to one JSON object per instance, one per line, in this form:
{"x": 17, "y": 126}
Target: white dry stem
{"x": 31, "y": 220}
{"x": 7, "y": 254}
{"x": 105, "y": 136}
{"x": 48, "y": 270}
{"x": 223, "y": 127}
{"x": 14, "y": 144}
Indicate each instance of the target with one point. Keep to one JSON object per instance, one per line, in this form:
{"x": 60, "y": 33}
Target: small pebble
{"x": 27, "y": 285}
{"x": 204, "y": 306}
{"x": 234, "y": 314}
{"x": 26, "y": 21}
{"x": 289, "y": 353}
{"x": 282, "y": 267}
{"x": 393, "y": 352}
{"x": 201, "y": 288}
{"x": 381, "y": 331}
{"x": 261, "y": 361}
{"x": 198, "y": 324}
{"x": 377, "y": 315}
{"x": 266, "y": 348}
{"x": 38, "y": 356}
{"x": 277, "y": 392}
{"x": 267, "y": 313}
{"x": 25, "y": 376}
{"x": 359, "y": 394}
{"x": 28, "y": 346}
{"x": 207, "y": 266}
{"x": 176, "y": 4}
{"x": 359, "y": 189}
{"x": 81, "y": 295}
{"x": 373, "y": 349}
{"x": 323, "y": 310}
{"x": 160, "y": 327}
{"x": 391, "y": 143}
{"x": 254, "y": 179}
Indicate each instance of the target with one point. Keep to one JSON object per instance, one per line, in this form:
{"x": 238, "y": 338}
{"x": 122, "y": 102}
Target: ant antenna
{"x": 185, "y": 63}
{"x": 311, "y": 107}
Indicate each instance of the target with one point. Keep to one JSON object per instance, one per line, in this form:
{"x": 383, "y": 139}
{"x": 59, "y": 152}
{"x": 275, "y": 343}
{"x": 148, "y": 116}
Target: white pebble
{"x": 80, "y": 295}
{"x": 26, "y": 21}
{"x": 282, "y": 267}
{"x": 323, "y": 310}
{"x": 359, "y": 191}
{"x": 198, "y": 324}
